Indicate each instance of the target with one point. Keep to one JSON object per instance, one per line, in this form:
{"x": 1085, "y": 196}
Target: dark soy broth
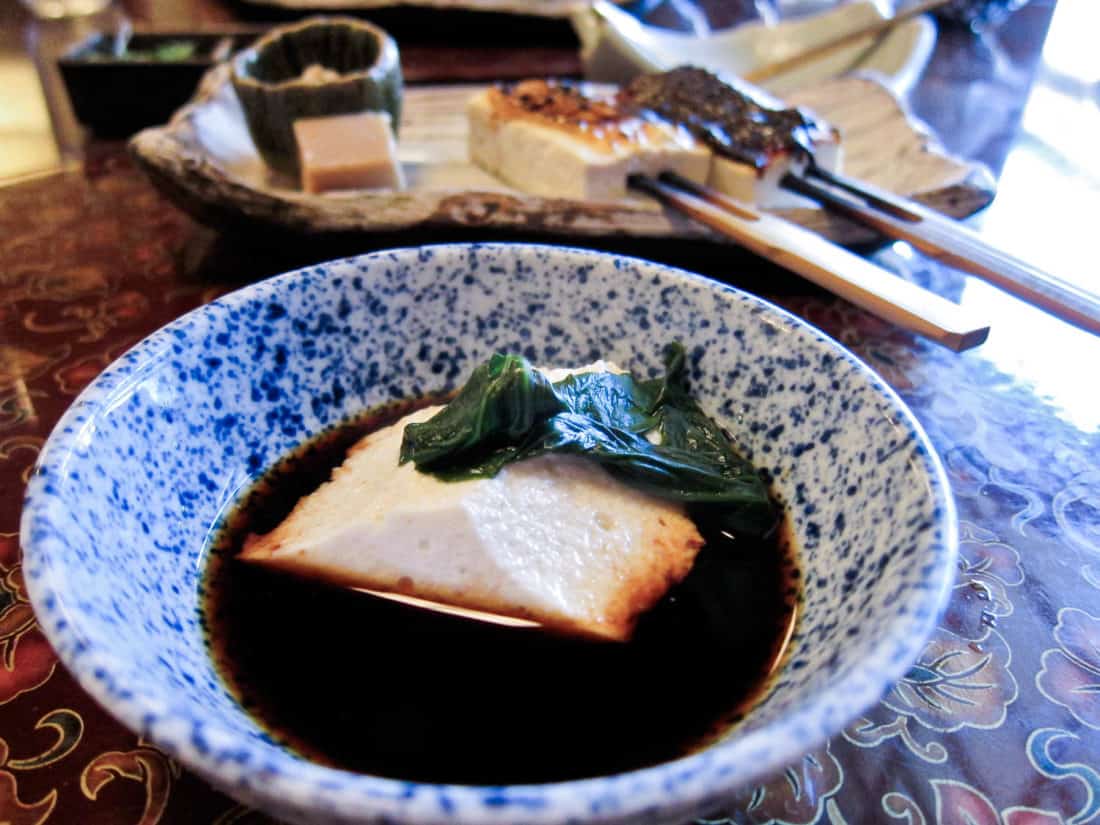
{"x": 369, "y": 685}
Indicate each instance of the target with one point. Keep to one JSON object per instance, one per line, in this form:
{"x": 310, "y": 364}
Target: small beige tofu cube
{"x": 356, "y": 151}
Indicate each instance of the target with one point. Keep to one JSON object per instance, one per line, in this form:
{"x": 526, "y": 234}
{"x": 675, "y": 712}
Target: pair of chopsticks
{"x": 947, "y": 241}
{"x": 822, "y": 262}
{"x": 864, "y": 283}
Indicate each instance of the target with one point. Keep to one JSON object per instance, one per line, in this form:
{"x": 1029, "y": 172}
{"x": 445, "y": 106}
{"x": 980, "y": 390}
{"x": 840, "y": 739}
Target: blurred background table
{"x": 999, "y": 721}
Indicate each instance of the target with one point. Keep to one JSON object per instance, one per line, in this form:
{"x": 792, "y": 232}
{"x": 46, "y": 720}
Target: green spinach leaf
{"x": 502, "y": 403}
{"x": 509, "y": 411}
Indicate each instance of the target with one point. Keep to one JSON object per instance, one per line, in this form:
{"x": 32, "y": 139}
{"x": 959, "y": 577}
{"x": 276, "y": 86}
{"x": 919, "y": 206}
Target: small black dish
{"x": 115, "y": 95}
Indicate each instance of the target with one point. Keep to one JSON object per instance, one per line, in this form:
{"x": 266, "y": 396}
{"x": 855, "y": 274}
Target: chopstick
{"x": 770, "y": 70}
{"x": 945, "y": 240}
{"x": 844, "y": 274}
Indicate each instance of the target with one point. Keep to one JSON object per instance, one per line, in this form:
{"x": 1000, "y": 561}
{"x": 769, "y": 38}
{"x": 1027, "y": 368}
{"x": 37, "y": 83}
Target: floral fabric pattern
{"x": 1071, "y": 672}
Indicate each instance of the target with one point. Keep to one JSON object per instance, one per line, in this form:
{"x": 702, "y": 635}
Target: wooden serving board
{"x": 205, "y": 161}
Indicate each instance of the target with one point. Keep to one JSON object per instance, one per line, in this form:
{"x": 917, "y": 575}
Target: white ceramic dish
{"x": 616, "y": 45}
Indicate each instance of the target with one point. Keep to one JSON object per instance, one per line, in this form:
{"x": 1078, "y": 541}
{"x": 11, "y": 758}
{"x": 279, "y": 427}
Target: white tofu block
{"x": 545, "y": 159}
{"x": 555, "y": 539}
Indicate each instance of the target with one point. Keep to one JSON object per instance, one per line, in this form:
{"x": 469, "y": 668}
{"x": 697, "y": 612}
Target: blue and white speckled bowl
{"x": 150, "y": 455}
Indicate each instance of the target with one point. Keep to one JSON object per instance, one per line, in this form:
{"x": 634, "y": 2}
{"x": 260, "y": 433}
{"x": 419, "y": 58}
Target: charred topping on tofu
{"x": 563, "y": 102}
{"x": 726, "y": 119}
{"x": 691, "y": 101}
{"x": 563, "y": 105}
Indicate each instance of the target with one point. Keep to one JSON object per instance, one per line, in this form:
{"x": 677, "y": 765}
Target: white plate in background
{"x": 615, "y": 46}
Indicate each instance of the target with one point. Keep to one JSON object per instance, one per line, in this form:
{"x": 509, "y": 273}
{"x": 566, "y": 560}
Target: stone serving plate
{"x": 138, "y": 473}
{"x": 205, "y": 161}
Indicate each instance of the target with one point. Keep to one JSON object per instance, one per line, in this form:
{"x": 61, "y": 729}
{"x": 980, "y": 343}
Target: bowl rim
{"x": 386, "y": 59}
{"x": 681, "y": 787}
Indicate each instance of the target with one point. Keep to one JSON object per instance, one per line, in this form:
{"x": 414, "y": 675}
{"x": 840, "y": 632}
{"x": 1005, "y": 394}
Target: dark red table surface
{"x": 999, "y": 720}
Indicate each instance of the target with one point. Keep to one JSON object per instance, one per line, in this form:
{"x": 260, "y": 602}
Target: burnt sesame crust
{"x": 729, "y": 121}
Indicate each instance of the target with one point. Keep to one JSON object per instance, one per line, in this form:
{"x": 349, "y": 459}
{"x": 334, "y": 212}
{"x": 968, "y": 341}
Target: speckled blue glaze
{"x": 134, "y": 476}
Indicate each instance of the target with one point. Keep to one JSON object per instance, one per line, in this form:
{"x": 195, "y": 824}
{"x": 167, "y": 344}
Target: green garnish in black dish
{"x": 509, "y": 411}
{"x": 171, "y": 51}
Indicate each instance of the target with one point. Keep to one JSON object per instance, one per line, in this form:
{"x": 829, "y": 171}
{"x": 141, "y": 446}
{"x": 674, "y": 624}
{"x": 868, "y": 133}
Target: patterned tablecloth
{"x": 997, "y": 723}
